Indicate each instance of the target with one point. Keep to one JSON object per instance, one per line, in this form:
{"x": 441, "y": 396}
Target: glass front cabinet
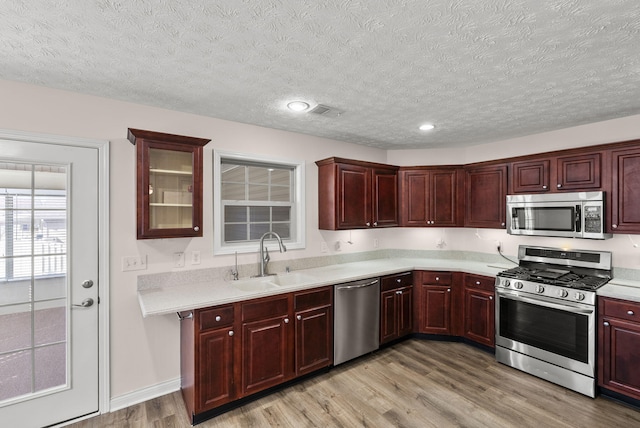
{"x": 169, "y": 184}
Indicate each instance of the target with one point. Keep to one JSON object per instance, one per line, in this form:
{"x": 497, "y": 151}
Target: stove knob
{"x": 518, "y": 285}
{"x": 562, "y": 293}
{"x": 539, "y": 289}
{"x": 506, "y": 283}
{"x": 579, "y": 296}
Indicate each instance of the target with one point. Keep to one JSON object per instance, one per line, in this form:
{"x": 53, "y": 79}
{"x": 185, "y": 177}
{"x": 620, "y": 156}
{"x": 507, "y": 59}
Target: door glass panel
{"x": 33, "y": 281}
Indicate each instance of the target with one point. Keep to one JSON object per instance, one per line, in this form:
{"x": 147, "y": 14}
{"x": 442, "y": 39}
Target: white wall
{"x": 145, "y": 352}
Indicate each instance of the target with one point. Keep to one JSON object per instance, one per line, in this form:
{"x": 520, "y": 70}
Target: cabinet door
{"x": 479, "y": 316}
{"x": 214, "y": 373}
{"x": 265, "y": 354}
{"x": 314, "y": 341}
{"x": 530, "y": 176}
{"x": 625, "y": 195}
{"x": 579, "y": 172}
{"x": 443, "y": 197}
{"x": 619, "y": 353}
{"x": 404, "y": 300}
{"x": 169, "y": 184}
{"x": 486, "y": 191}
{"x": 385, "y": 198}
{"x": 388, "y": 316}
{"x": 415, "y": 205}
{"x": 436, "y": 309}
{"x": 354, "y": 197}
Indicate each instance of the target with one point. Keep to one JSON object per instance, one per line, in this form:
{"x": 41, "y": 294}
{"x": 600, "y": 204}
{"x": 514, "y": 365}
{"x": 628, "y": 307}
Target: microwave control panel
{"x": 593, "y": 219}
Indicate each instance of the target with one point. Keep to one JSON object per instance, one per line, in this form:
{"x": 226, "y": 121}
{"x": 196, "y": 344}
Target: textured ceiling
{"x": 480, "y": 70}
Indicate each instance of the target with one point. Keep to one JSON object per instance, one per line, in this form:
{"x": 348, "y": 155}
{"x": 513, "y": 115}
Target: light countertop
{"x": 184, "y": 297}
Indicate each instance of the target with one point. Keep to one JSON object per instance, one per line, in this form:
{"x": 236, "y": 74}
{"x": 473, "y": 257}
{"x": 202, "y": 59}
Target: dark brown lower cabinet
{"x": 265, "y": 344}
{"x": 479, "y": 309}
{"x": 232, "y": 351}
{"x": 396, "y": 306}
{"x": 619, "y": 346}
{"x": 207, "y": 358}
{"x": 313, "y": 330}
{"x": 440, "y": 303}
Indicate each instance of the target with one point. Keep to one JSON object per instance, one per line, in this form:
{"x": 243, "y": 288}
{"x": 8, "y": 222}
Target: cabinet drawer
{"x": 480, "y": 282}
{"x": 437, "y": 278}
{"x": 396, "y": 281}
{"x": 312, "y": 299}
{"x": 265, "y": 308}
{"x": 220, "y": 316}
{"x": 622, "y": 309}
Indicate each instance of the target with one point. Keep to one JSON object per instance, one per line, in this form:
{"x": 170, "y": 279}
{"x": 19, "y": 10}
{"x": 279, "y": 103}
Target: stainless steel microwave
{"x": 572, "y": 215}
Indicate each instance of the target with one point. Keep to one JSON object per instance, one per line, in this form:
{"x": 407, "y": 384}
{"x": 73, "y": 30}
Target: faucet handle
{"x": 267, "y": 257}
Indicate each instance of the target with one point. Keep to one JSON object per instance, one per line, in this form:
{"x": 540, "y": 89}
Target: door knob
{"x": 85, "y": 303}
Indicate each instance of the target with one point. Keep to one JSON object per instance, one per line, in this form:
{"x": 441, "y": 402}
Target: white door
{"x": 49, "y": 232}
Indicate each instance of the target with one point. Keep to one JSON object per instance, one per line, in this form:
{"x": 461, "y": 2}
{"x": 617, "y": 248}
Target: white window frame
{"x": 298, "y": 228}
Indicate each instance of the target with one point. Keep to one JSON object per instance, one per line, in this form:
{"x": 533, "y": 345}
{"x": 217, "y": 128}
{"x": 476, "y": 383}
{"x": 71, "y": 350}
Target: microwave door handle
{"x": 578, "y": 219}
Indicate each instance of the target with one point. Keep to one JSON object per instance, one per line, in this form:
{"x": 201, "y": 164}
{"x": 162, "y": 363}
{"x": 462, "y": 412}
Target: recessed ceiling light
{"x": 298, "y": 106}
{"x": 426, "y": 127}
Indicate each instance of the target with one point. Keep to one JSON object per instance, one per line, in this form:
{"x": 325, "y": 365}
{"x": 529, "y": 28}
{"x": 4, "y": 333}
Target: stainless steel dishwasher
{"x": 356, "y": 324}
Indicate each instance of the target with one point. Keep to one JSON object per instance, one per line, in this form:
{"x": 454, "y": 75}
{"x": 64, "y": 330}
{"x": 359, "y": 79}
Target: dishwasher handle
{"x": 349, "y": 287}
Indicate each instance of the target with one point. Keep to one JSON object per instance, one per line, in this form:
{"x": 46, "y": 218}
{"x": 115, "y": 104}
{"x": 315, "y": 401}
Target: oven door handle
{"x": 546, "y": 303}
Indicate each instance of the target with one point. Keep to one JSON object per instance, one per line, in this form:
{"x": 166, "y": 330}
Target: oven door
{"x": 558, "y": 332}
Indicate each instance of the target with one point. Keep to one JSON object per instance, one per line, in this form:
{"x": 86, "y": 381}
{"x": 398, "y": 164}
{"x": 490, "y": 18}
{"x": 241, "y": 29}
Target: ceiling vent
{"x": 326, "y": 111}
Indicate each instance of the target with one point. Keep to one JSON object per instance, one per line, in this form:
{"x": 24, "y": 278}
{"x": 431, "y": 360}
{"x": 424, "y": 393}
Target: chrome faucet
{"x": 264, "y": 253}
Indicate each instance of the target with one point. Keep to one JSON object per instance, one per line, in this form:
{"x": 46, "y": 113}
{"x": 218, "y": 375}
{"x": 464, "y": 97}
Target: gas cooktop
{"x": 559, "y": 277}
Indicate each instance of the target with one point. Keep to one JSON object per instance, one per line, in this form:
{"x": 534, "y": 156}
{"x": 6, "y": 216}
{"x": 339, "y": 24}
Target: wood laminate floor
{"x": 415, "y": 383}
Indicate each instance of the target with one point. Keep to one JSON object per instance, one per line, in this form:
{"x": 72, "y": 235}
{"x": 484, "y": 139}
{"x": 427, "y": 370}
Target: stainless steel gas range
{"x": 546, "y": 314}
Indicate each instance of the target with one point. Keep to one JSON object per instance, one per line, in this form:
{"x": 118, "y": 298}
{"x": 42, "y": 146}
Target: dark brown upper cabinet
{"x": 486, "y": 196}
{"x": 169, "y": 184}
{"x": 570, "y": 173}
{"x": 625, "y": 190}
{"x": 431, "y": 196}
{"x": 356, "y": 195}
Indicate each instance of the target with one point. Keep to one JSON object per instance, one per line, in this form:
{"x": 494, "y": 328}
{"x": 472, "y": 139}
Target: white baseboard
{"x": 144, "y": 394}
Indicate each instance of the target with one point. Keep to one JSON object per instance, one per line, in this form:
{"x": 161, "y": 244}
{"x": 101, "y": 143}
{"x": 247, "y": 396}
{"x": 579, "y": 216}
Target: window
{"x": 254, "y": 195}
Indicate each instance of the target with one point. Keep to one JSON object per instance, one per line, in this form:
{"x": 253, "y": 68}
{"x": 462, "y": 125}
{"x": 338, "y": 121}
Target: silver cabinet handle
{"x": 399, "y": 292}
{"x": 196, "y": 228}
{"x": 218, "y": 318}
{"x": 544, "y": 187}
{"x": 614, "y": 226}
{"x": 630, "y": 313}
{"x": 606, "y": 323}
{"x": 437, "y": 278}
{"x": 368, "y": 224}
{"x": 448, "y": 290}
{"x": 490, "y": 297}
{"x": 299, "y": 317}
{"x": 286, "y": 320}
{"x": 398, "y": 280}
{"x": 375, "y": 223}
{"x": 88, "y": 302}
{"x": 559, "y": 185}
{"x": 477, "y": 282}
{"x": 231, "y": 333}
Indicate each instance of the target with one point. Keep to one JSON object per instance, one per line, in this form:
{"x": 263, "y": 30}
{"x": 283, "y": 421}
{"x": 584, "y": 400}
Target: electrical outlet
{"x": 323, "y": 247}
{"x": 134, "y": 263}
{"x": 178, "y": 260}
{"x": 195, "y": 257}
